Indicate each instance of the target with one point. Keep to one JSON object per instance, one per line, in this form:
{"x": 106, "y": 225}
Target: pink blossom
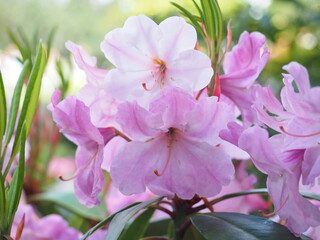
{"x": 173, "y": 150}
{"x": 93, "y": 94}
{"x": 284, "y": 171}
{"x": 50, "y": 227}
{"x": 242, "y": 67}
{"x": 73, "y": 119}
{"x": 148, "y": 57}
{"x": 298, "y": 117}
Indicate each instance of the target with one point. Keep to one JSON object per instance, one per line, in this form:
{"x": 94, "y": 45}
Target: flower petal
{"x": 177, "y": 36}
{"x": 87, "y": 64}
{"x": 311, "y": 165}
{"x": 191, "y": 70}
{"x": 244, "y": 63}
{"x": 90, "y": 182}
{"x": 137, "y": 122}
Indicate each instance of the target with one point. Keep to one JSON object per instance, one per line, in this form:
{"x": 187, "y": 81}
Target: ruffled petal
{"x": 244, "y": 63}
{"x": 173, "y": 104}
{"x": 194, "y": 168}
{"x": 135, "y": 162}
{"x": 87, "y": 63}
{"x": 90, "y": 182}
{"x": 218, "y": 114}
{"x": 137, "y": 122}
{"x": 300, "y": 75}
{"x": 311, "y": 165}
{"x": 177, "y": 36}
{"x": 73, "y": 119}
{"x": 122, "y": 52}
{"x": 191, "y": 70}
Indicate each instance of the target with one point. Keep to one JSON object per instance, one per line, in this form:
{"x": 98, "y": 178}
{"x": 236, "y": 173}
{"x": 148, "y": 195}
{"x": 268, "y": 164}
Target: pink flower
{"x": 73, "y": 119}
{"x": 50, "y": 227}
{"x": 148, "y": 57}
{"x": 93, "y": 94}
{"x": 298, "y": 117}
{"x": 284, "y": 171}
{"x": 242, "y": 67}
{"x": 173, "y": 150}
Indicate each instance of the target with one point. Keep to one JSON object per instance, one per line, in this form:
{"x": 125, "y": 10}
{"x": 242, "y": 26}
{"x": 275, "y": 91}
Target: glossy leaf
{"x": 16, "y": 185}
{"x": 138, "y": 227}
{"x": 67, "y": 200}
{"x": 104, "y": 222}
{"x": 120, "y": 220}
{"x": 16, "y": 101}
{"x": 225, "y": 226}
{"x": 3, "y": 110}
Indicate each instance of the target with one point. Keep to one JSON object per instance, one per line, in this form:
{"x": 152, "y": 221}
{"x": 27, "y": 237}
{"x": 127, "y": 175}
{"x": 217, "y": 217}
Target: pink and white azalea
{"x": 173, "y": 150}
{"x": 284, "y": 171}
{"x": 298, "y": 117}
{"x": 149, "y": 57}
{"x": 93, "y": 94}
{"x": 242, "y": 66}
{"x": 73, "y": 119}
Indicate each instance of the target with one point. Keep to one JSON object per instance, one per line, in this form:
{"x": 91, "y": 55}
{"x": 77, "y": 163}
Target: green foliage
{"x": 225, "y": 226}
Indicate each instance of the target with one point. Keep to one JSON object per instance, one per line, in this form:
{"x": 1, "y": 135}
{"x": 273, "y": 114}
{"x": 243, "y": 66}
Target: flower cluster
{"x": 151, "y": 124}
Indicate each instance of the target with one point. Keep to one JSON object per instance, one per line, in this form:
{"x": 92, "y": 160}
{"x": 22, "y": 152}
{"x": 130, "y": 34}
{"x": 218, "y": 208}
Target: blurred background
{"x": 291, "y": 26}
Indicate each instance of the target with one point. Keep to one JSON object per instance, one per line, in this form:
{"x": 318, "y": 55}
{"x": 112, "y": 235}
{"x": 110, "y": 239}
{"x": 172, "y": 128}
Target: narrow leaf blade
{"x": 3, "y": 109}
{"x": 119, "y": 221}
{"x": 138, "y": 227}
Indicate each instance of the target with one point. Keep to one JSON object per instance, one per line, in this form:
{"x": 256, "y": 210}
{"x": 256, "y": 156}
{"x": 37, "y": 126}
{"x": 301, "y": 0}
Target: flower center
{"x": 159, "y": 74}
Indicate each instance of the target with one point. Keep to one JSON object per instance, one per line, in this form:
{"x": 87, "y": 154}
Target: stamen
{"x": 144, "y": 85}
{"x": 298, "y": 135}
{"x": 170, "y": 133}
{"x": 160, "y": 75}
{"x": 274, "y": 212}
{"x": 81, "y": 170}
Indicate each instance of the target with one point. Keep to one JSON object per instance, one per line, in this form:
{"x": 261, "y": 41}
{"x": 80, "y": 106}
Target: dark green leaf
{"x": 16, "y": 101}
{"x": 3, "y": 110}
{"x": 199, "y": 9}
{"x": 226, "y": 226}
{"x": 104, "y": 222}
{"x": 120, "y": 220}
{"x": 208, "y": 18}
{"x": 67, "y": 200}
{"x": 137, "y": 228}
{"x": 3, "y": 207}
{"x": 313, "y": 196}
{"x": 158, "y": 228}
{"x": 16, "y": 184}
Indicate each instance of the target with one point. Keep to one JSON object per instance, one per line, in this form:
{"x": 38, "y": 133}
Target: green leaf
{"x": 104, "y": 222}
{"x": 3, "y": 110}
{"x": 50, "y": 40}
{"x": 119, "y": 221}
{"x": 137, "y": 228}
{"x": 192, "y": 18}
{"x": 313, "y": 196}
{"x": 19, "y": 44}
{"x": 30, "y": 100}
{"x": 225, "y": 226}
{"x": 16, "y": 101}
{"x": 3, "y": 207}
{"x": 67, "y": 200}
{"x": 16, "y": 185}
